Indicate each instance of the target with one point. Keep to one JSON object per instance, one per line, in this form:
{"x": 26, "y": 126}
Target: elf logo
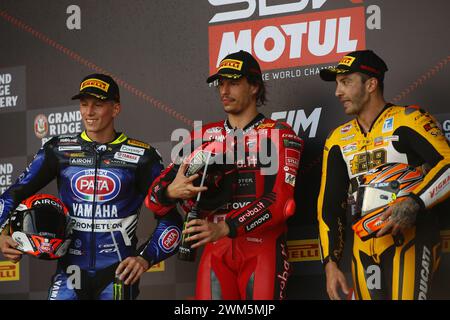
{"x": 106, "y": 185}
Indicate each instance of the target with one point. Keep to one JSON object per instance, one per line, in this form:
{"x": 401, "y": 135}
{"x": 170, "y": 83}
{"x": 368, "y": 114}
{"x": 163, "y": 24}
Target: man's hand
{"x": 335, "y": 280}
{"x": 7, "y": 247}
{"x": 131, "y": 269}
{"x": 182, "y": 187}
{"x": 401, "y": 215}
{"x": 207, "y": 231}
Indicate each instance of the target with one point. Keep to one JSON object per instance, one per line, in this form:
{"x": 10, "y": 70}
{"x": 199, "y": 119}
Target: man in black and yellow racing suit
{"x": 399, "y": 262}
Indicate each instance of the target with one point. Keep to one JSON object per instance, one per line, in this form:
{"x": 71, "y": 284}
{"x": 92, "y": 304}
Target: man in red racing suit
{"x": 245, "y": 256}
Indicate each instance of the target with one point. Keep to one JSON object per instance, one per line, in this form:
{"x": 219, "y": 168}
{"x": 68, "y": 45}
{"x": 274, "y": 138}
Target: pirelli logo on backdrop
{"x": 9, "y": 271}
{"x": 96, "y": 83}
{"x": 159, "y": 267}
{"x": 445, "y": 240}
{"x": 303, "y": 250}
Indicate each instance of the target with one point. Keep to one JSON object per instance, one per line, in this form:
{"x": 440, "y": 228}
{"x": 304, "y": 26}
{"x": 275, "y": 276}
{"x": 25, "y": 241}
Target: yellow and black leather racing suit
{"x": 383, "y": 268}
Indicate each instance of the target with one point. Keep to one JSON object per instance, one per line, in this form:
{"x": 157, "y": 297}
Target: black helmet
{"x": 41, "y": 226}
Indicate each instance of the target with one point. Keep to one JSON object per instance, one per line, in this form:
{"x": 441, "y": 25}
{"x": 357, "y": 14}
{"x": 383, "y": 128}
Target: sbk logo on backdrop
{"x": 287, "y": 41}
{"x": 107, "y": 186}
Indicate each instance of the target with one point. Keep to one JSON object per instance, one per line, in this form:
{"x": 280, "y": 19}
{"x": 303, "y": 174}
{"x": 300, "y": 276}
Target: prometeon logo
{"x": 285, "y": 41}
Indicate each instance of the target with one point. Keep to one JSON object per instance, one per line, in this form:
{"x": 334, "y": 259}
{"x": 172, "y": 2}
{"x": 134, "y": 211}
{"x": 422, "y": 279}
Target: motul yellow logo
{"x": 445, "y": 238}
{"x": 159, "y": 267}
{"x": 347, "y": 61}
{"x": 96, "y": 83}
{"x": 230, "y": 64}
{"x": 303, "y": 250}
{"x": 9, "y": 271}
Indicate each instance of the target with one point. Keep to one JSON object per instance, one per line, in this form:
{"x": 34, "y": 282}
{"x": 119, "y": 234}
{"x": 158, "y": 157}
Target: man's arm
{"x": 330, "y": 204}
{"x": 162, "y": 244}
{"x": 421, "y": 135}
{"x": 331, "y": 216}
{"x": 7, "y": 247}
{"x": 37, "y": 175}
{"x": 165, "y": 238}
{"x": 422, "y": 140}
{"x": 164, "y": 241}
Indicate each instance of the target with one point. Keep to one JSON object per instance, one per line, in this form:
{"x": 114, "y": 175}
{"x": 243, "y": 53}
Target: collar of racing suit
{"x": 387, "y": 106}
{"x": 256, "y": 120}
{"x": 120, "y": 137}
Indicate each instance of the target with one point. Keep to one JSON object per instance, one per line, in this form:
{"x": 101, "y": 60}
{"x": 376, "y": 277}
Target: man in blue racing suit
{"x": 102, "y": 177}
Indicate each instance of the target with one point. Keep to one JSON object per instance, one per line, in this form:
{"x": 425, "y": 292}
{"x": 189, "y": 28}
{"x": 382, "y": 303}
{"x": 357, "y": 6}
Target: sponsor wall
{"x": 161, "y": 52}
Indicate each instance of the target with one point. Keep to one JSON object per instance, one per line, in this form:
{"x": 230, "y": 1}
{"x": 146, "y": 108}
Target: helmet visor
{"x": 45, "y": 221}
{"x": 370, "y": 199}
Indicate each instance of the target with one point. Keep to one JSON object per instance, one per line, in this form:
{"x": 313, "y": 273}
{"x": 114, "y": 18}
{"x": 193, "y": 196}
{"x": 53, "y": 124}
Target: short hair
{"x": 365, "y": 77}
{"x": 261, "y": 98}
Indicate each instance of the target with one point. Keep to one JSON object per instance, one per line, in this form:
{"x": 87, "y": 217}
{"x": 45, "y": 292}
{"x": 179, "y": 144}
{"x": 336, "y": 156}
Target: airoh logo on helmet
{"x": 41, "y": 226}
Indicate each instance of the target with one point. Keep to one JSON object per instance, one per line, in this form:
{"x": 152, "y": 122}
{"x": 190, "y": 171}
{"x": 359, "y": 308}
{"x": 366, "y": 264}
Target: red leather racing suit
{"x": 251, "y": 263}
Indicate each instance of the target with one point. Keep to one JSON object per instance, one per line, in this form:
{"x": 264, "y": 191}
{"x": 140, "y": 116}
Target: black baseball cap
{"x": 364, "y": 61}
{"x": 100, "y": 86}
{"x": 237, "y": 65}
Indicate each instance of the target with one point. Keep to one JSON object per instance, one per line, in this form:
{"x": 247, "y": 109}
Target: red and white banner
{"x": 291, "y": 41}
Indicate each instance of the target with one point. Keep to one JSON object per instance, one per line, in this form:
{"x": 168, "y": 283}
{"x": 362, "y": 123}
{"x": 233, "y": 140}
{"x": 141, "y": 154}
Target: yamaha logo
{"x": 101, "y": 148}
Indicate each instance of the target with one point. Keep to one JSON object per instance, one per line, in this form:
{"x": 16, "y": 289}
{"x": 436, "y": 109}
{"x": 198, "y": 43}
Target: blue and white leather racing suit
{"x": 103, "y": 185}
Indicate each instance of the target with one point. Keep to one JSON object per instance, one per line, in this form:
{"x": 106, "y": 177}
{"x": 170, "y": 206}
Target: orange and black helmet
{"x": 380, "y": 188}
{"x": 41, "y": 226}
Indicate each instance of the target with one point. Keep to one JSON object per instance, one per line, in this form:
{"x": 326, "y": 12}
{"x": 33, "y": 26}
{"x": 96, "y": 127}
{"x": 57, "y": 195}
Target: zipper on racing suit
{"x": 94, "y": 208}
